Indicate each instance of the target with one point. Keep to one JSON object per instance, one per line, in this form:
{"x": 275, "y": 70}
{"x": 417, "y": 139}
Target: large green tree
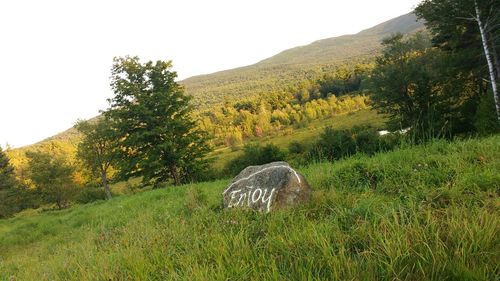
{"x": 159, "y": 140}
{"x": 98, "y": 148}
{"x": 419, "y": 87}
{"x": 52, "y": 175}
{"x": 402, "y": 82}
{"x": 469, "y": 30}
{"x": 8, "y": 185}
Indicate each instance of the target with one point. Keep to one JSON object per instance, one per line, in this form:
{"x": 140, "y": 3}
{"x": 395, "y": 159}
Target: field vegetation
{"x": 429, "y": 212}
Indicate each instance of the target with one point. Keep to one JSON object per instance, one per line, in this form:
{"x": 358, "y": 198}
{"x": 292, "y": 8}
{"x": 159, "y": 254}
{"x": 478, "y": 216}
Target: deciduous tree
{"x": 470, "y": 30}
{"x": 158, "y": 137}
{"x": 53, "y": 176}
{"x": 98, "y": 148}
{"x": 7, "y": 186}
{"x": 411, "y": 84}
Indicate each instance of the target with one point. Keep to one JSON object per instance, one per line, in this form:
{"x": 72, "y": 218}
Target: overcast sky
{"x": 55, "y": 56}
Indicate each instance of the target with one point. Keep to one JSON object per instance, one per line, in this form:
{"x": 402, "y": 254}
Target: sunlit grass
{"x": 424, "y": 213}
{"x": 306, "y": 135}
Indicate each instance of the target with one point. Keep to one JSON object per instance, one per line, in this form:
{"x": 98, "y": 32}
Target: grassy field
{"x": 423, "y": 213}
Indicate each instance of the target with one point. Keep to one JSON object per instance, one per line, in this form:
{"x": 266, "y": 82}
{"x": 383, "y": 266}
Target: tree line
{"x": 151, "y": 131}
{"x": 147, "y": 132}
{"x": 232, "y": 124}
{"x": 442, "y": 83}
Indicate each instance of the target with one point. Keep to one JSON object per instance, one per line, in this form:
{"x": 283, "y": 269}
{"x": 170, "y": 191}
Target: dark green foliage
{"x": 455, "y": 31}
{"x": 14, "y": 197}
{"x": 98, "y": 148}
{"x": 8, "y": 187}
{"x": 7, "y": 178}
{"x": 403, "y": 86}
{"x": 90, "y": 194}
{"x": 52, "y": 176}
{"x": 368, "y": 140}
{"x": 486, "y": 122}
{"x": 344, "y": 81}
{"x": 250, "y": 105}
{"x": 255, "y": 155}
{"x": 152, "y": 116}
{"x": 296, "y": 147}
{"x": 336, "y": 144}
{"x": 416, "y": 86}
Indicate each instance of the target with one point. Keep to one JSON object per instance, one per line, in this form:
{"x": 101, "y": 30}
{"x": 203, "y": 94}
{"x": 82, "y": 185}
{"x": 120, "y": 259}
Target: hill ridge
{"x": 299, "y": 63}
{"x": 250, "y": 80}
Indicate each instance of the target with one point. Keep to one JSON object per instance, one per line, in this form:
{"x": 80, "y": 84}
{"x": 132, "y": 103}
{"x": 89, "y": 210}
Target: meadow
{"x": 305, "y": 135}
{"x": 428, "y": 212}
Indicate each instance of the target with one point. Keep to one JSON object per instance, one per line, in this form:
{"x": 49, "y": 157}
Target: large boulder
{"x": 267, "y": 187}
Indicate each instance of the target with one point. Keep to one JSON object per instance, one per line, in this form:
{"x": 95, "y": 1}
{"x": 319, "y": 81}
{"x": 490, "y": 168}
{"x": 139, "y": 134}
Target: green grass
{"x": 423, "y": 213}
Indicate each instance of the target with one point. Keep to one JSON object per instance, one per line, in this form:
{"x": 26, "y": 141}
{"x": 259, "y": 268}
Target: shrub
{"x": 296, "y": 147}
{"x": 368, "y": 141}
{"x": 334, "y": 144}
{"x": 389, "y": 141}
{"x": 486, "y": 121}
{"x": 53, "y": 176}
{"x": 90, "y": 194}
{"x": 255, "y": 155}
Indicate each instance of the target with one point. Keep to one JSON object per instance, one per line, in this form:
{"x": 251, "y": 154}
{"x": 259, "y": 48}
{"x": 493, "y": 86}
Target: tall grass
{"x": 425, "y": 213}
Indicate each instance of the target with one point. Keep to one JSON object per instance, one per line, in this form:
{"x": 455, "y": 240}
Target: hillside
{"x": 429, "y": 212}
{"x": 292, "y": 66}
{"x": 286, "y": 69}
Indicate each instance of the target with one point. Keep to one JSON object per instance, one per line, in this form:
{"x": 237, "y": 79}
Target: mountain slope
{"x": 291, "y": 66}
{"x": 288, "y": 68}
{"x": 335, "y": 49}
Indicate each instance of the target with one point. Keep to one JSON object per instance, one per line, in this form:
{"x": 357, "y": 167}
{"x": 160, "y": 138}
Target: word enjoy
{"x": 251, "y": 196}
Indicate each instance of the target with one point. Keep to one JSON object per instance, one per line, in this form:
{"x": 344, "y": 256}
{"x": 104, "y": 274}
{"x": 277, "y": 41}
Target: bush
{"x": 255, "y": 155}
{"x": 368, "y": 141}
{"x": 336, "y": 144}
{"x": 53, "y": 176}
{"x": 486, "y": 122}
{"x": 389, "y": 141}
{"x": 17, "y": 199}
{"x": 90, "y": 194}
{"x": 208, "y": 174}
{"x": 296, "y": 147}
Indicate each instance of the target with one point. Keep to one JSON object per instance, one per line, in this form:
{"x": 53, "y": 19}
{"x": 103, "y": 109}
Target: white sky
{"x": 55, "y": 56}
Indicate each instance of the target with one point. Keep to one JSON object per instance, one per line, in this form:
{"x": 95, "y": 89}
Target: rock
{"x": 270, "y": 186}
